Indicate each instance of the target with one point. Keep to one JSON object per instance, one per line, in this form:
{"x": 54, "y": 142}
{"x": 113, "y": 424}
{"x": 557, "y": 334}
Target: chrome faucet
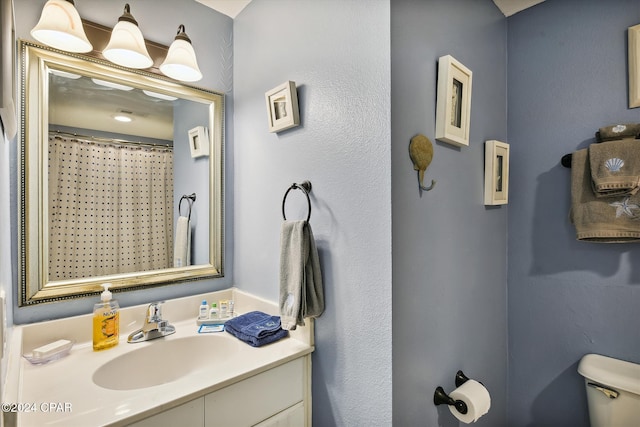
{"x": 154, "y": 326}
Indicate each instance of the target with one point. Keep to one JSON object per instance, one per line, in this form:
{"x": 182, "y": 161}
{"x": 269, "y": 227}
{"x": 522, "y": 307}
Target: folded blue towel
{"x": 256, "y": 328}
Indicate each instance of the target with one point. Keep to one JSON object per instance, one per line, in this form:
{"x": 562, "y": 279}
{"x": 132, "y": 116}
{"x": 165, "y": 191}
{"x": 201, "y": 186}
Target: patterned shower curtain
{"x": 110, "y": 208}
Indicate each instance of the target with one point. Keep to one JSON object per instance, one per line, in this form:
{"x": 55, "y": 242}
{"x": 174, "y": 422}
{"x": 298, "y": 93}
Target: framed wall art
{"x": 453, "y": 109}
{"x": 634, "y": 66}
{"x": 496, "y": 173}
{"x": 199, "y": 141}
{"x": 282, "y": 107}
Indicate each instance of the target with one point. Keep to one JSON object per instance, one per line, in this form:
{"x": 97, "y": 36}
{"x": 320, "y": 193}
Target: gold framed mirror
{"x": 80, "y": 222}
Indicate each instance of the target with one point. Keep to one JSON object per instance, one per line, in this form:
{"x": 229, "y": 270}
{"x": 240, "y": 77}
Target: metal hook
{"x": 429, "y": 188}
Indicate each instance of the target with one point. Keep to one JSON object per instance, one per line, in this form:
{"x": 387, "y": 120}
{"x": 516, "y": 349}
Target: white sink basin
{"x": 164, "y": 360}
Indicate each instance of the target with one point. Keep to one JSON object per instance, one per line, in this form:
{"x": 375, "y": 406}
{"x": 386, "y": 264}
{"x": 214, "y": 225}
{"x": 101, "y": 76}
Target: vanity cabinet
{"x": 187, "y": 414}
{"x": 278, "y": 397}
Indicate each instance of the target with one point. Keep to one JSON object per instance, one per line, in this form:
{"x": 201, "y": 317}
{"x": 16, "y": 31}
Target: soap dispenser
{"x": 106, "y": 321}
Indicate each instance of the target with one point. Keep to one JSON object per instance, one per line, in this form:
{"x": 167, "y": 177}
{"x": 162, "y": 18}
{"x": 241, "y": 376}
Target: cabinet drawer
{"x": 188, "y": 414}
{"x": 257, "y": 398}
{"x": 292, "y": 417}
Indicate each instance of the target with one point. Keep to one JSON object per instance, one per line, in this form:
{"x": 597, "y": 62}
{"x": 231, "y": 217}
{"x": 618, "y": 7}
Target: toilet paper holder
{"x": 442, "y": 398}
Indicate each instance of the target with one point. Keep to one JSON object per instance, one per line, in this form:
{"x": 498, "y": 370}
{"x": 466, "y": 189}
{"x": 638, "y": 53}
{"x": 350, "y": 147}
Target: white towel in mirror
{"x": 182, "y": 251}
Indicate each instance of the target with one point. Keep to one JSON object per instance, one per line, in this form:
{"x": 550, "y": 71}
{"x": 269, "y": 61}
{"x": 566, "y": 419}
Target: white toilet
{"x": 613, "y": 391}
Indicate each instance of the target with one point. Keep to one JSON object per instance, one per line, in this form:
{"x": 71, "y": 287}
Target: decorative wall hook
{"x": 421, "y": 153}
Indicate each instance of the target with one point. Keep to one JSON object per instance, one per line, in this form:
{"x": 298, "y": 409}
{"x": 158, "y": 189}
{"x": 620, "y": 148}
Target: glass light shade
{"x": 126, "y": 46}
{"x": 60, "y": 27}
{"x": 181, "y": 63}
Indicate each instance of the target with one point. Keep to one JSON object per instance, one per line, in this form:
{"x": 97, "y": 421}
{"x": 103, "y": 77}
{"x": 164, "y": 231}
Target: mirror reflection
{"x": 125, "y": 196}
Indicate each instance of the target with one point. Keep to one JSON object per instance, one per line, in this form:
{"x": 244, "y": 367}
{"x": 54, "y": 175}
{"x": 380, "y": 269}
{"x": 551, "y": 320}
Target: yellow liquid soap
{"x": 106, "y": 322}
{"x": 106, "y": 329}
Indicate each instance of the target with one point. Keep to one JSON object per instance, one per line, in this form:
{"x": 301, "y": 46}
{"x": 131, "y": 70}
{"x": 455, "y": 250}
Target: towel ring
{"x": 305, "y": 186}
{"x": 190, "y": 199}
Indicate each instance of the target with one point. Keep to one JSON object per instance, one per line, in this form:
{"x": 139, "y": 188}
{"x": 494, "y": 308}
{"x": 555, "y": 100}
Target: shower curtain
{"x": 110, "y": 207}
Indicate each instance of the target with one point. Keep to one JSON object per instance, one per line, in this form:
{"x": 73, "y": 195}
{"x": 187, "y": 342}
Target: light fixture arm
{"x": 181, "y": 34}
{"x": 127, "y": 16}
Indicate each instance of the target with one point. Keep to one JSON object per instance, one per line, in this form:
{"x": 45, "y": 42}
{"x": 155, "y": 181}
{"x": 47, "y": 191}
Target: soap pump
{"x": 106, "y": 321}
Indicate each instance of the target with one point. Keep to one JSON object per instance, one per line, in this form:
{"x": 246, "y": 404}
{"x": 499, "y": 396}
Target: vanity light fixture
{"x": 181, "y": 63}
{"x": 65, "y": 74}
{"x": 126, "y": 46}
{"x": 60, "y": 27}
{"x": 111, "y": 85}
{"x": 122, "y": 117}
{"x": 159, "y": 95}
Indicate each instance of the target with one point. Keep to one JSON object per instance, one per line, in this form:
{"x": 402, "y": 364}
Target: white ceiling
{"x": 510, "y": 7}
{"x": 233, "y": 7}
{"x": 229, "y": 7}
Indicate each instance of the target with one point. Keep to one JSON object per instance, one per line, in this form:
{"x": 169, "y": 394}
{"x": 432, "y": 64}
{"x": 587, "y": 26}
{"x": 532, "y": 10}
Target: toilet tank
{"x": 613, "y": 391}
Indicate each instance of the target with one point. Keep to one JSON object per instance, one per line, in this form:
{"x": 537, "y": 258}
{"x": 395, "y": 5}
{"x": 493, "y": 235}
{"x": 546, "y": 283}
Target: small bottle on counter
{"x": 224, "y": 308}
{"x": 213, "y": 312}
{"x": 204, "y": 312}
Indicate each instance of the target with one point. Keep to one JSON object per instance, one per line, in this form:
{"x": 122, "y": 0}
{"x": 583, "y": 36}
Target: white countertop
{"x": 62, "y": 393}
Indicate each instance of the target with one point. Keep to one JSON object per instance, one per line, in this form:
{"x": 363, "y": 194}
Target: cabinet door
{"x": 257, "y": 398}
{"x": 292, "y": 417}
{"x": 188, "y": 414}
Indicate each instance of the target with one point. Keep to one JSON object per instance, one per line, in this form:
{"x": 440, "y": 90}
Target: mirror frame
{"x": 34, "y": 286}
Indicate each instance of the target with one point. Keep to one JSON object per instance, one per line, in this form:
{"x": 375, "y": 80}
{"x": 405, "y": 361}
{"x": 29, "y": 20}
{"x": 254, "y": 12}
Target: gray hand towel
{"x": 301, "y": 291}
{"x": 620, "y": 131}
{"x": 615, "y": 167}
{"x": 607, "y": 220}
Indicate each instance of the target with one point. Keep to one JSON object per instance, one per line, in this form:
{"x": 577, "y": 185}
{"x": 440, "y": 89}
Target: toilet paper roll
{"x": 477, "y": 398}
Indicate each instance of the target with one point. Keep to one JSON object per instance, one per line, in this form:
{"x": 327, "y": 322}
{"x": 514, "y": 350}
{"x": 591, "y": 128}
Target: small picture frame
{"x": 199, "y": 141}
{"x": 634, "y": 66}
{"x": 282, "y": 107}
{"x": 453, "y": 107}
{"x": 496, "y": 173}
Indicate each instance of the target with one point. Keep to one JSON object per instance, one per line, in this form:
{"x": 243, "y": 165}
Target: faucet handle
{"x": 154, "y": 312}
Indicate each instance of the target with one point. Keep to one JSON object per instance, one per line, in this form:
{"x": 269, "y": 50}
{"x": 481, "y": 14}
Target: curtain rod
{"x": 109, "y": 140}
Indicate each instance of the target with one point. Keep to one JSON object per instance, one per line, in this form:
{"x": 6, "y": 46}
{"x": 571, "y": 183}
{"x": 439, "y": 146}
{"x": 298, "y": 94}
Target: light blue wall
{"x": 337, "y": 52}
{"x": 211, "y": 34}
{"x": 7, "y": 269}
{"x": 449, "y": 250}
{"x": 567, "y": 76}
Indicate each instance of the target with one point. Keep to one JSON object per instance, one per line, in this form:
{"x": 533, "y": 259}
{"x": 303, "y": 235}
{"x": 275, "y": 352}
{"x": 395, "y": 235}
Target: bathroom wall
{"x": 211, "y": 34}
{"x": 449, "y": 250}
{"x": 337, "y": 52}
{"x": 567, "y": 76}
{"x": 6, "y": 269}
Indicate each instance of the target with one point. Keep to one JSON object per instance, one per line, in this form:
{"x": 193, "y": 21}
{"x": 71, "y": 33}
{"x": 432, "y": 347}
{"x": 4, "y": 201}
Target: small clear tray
{"x": 49, "y": 353}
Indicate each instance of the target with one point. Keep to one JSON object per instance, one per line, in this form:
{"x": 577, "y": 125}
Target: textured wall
{"x": 210, "y": 33}
{"x": 567, "y": 76}
{"x": 449, "y": 250}
{"x": 337, "y": 52}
